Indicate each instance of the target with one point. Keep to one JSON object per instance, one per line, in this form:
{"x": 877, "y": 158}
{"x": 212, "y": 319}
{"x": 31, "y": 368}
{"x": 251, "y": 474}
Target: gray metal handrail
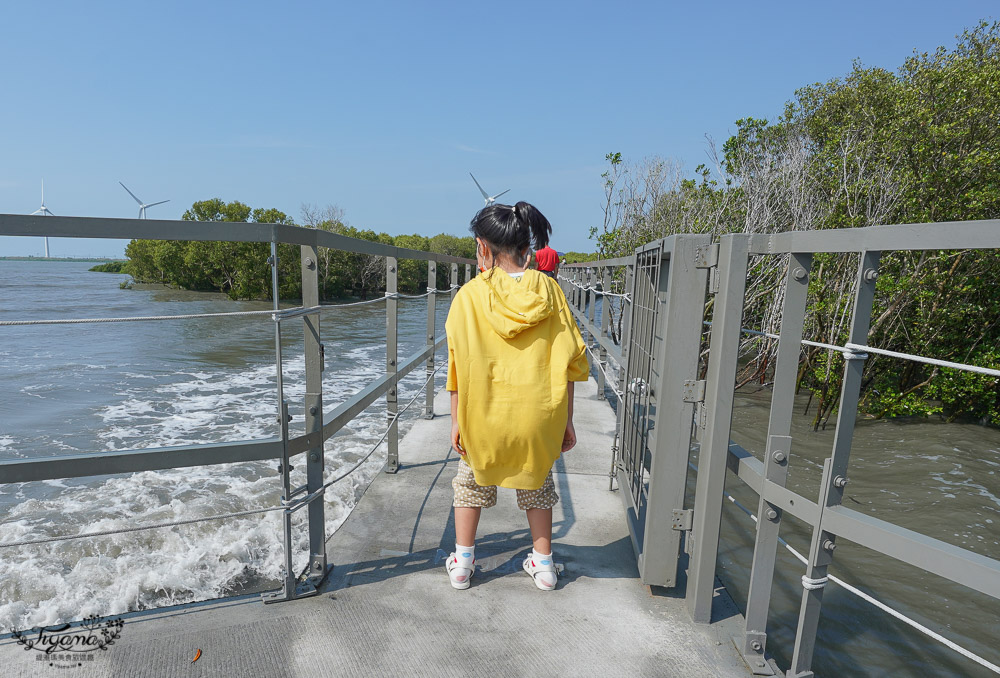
{"x": 319, "y": 425}
{"x": 230, "y": 231}
{"x": 828, "y": 518}
{"x": 871, "y": 599}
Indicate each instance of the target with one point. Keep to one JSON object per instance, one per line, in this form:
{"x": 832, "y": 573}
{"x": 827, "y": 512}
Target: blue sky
{"x": 383, "y": 108}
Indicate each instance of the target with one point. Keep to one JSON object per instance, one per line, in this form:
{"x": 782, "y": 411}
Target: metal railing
{"x": 320, "y": 425}
{"x": 669, "y": 407}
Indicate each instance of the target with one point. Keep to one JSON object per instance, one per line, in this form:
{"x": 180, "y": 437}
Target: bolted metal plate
{"x": 683, "y": 519}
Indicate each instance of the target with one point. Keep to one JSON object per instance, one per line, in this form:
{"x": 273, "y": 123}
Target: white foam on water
{"x": 65, "y": 580}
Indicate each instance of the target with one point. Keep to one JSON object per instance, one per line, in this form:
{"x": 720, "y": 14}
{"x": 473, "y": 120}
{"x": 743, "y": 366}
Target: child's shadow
{"x": 498, "y": 554}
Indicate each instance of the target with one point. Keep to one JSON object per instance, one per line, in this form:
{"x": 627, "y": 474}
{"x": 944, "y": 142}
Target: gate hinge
{"x": 701, "y": 415}
{"x": 683, "y": 519}
{"x": 693, "y": 391}
{"x": 706, "y": 256}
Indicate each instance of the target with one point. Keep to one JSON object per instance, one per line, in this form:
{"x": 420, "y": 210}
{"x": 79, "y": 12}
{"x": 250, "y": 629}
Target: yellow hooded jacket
{"x": 512, "y": 347}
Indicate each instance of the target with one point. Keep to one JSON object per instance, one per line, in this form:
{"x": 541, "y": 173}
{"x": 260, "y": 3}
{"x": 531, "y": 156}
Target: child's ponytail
{"x": 509, "y": 229}
{"x": 538, "y": 226}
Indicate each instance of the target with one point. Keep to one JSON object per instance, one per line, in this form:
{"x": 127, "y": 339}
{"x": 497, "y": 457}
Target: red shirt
{"x": 547, "y": 259}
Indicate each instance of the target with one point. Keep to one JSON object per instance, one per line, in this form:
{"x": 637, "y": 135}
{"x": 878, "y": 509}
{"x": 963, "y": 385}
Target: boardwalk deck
{"x": 388, "y": 609}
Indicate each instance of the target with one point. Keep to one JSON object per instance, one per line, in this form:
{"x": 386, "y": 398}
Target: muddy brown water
{"x": 939, "y": 479}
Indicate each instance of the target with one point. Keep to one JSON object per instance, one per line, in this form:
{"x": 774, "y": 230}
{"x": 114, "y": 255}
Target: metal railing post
{"x": 624, "y": 337}
{"x": 578, "y": 296}
{"x": 776, "y": 456}
{"x": 284, "y": 466}
{"x": 605, "y": 274}
{"x": 468, "y": 273}
{"x": 835, "y": 471}
{"x": 720, "y": 386}
{"x": 391, "y": 396}
{"x": 431, "y": 317}
{"x": 313, "y": 349}
{"x": 592, "y": 315}
{"x": 588, "y": 304}
{"x": 454, "y": 280}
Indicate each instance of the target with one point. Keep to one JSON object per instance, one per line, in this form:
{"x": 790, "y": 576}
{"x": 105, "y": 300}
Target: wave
{"x": 65, "y": 580}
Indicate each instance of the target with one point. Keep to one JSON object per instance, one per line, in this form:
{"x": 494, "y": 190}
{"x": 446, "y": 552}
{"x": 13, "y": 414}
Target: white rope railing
{"x": 595, "y": 290}
{"x": 434, "y": 290}
{"x": 860, "y": 352}
{"x": 139, "y": 528}
{"x": 851, "y": 351}
{"x": 929, "y": 361}
{"x": 810, "y": 584}
{"x": 282, "y": 314}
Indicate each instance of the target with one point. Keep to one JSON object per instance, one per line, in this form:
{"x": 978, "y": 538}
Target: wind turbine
{"x": 142, "y": 205}
{"x": 490, "y": 199}
{"x": 44, "y": 211}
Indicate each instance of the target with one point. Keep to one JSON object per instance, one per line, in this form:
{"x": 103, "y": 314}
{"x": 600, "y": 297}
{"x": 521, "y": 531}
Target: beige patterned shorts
{"x": 469, "y": 494}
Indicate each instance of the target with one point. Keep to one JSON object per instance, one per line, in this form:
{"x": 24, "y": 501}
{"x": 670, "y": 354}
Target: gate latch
{"x": 683, "y": 519}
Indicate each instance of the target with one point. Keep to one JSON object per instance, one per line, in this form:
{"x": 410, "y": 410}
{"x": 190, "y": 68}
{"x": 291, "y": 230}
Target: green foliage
{"x": 578, "y": 257}
{"x": 241, "y": 270}
{"x": 932, "y": 127}
{"x": 917, "y": 145}
{"x": 412, "y": 272}
{"x": 110, "y": 267}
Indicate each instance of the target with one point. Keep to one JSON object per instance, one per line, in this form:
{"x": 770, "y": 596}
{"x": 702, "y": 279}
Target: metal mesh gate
{"x": 667, "y": 308}
{"x": 637, "y": 419}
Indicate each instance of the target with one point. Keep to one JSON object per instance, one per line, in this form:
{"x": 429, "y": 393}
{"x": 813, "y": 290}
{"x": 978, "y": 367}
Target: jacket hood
{"x": 512, "y": 306}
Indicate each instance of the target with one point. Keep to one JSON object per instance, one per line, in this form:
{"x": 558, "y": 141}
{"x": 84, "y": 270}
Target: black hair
{"x": 509, "y": 229}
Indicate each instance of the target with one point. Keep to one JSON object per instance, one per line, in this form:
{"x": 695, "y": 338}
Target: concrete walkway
{"x": 388, "y": 609}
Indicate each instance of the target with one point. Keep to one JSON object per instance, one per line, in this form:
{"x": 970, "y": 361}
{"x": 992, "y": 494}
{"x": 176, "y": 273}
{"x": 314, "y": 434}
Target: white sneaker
{"x": 536, "y": 566}
{"x": 461, "y": 577}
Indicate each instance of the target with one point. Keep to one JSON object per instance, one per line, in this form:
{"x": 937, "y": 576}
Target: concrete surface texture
{"x": 387, "y": 608}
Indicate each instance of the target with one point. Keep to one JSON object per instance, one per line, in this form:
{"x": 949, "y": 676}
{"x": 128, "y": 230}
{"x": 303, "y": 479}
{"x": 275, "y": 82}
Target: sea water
{"x": 85, "y": 388}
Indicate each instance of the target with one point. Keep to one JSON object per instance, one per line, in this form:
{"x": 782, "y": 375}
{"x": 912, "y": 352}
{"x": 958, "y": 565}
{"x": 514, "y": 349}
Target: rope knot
{"x": 813, "y": 584}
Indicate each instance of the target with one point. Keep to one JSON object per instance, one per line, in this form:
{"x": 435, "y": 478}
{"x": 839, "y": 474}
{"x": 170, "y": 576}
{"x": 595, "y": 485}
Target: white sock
{"x": 465, "y": 555}
{"x": 547, "y": 578}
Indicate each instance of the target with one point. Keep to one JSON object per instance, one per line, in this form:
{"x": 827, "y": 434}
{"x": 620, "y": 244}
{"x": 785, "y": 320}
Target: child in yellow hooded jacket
{"x": 514, "y": 352}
